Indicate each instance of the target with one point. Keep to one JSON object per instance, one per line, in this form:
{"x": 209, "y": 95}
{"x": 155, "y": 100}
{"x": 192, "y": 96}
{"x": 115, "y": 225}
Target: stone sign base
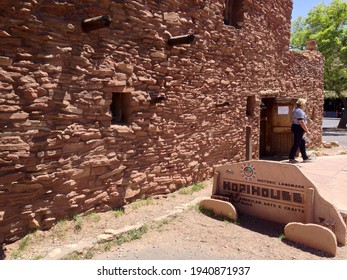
{"x": 278, "y": 192}
{"x": 312, "y": 235}
{"x": 220, "y": 208}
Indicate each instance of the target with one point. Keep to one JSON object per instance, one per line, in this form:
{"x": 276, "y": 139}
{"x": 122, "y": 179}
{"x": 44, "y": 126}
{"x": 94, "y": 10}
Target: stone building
{"x": 103, "y": 102}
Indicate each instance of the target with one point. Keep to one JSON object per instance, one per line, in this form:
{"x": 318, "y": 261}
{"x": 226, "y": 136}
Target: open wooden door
{"x": 275, "y": 122}
{"x": 282, "y": 138}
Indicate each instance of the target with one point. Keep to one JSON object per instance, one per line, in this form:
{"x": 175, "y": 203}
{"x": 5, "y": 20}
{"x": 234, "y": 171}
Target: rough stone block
{"x": 125, "y": 67}
{"x": 5, "y": 61}
{"x": 221, "y": 208}
{"x": 312, "y": 235}
{"x": 102, "y": 238}
{"x": 9, "y": 178}
{"x": 73, "y": 147}
{"x": 25, "y": 187}
{"x": 114, "y": 172}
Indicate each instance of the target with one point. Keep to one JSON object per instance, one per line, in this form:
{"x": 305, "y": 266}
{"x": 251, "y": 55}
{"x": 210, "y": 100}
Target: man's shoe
{"x": 293, "y": 160}
{"x": 308, "y": 160}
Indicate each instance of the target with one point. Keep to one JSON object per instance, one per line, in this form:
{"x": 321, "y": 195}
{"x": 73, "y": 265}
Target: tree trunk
{"x": 343, "y": 120}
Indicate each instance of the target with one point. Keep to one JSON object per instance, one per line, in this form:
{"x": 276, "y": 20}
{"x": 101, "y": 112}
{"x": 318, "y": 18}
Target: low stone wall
{"x": 60, "y": 155}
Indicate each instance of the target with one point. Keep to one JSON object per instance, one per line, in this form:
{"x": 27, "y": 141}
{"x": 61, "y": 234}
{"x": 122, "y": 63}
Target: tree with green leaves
{"x": 327, "y": 24}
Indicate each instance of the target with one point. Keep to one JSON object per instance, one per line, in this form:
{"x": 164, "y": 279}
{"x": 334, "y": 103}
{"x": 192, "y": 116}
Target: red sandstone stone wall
{"x": 59, "y": 153}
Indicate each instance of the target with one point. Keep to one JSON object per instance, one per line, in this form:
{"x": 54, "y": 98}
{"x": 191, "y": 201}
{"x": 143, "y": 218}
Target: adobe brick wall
{"x": 59, "y": 153}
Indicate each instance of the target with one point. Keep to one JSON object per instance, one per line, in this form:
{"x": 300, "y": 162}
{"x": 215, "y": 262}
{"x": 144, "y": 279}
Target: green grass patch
{"x": 211, "y": 214}
{"x": 16, "y": 255}
{"x": 118, "y": 212}
{"x": 23, "y": 245}
{"x": 204, "y": 211}
{"x": 107, "y": 246}
{"x": 78, "y": 223}
{"x": 132, "y": 235}
{"x": 93, "y": 217}
{"x": 80, "y": 255}
{"x": 59, "y": 230}
{"x": 89, "y": 254}
{"x": 142, "y": 202}
{"x": 159, "y": 225}
{"x": 192, "y": 189}
{"x": 124, "y": 238}
{"x": 74, "y": 256}
{"x": 282, "y": 237}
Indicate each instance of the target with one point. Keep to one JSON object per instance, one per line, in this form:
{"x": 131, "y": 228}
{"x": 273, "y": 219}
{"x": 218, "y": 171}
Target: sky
{"x": 302, "y": 7}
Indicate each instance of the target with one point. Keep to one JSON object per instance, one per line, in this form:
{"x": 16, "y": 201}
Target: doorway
{"x": 275, "y": 122}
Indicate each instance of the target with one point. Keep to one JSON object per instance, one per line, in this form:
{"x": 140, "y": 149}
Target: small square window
{"x": 233, "y": 13}
{"x": 119, "y": 107}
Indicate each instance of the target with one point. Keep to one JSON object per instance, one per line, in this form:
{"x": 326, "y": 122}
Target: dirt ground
{"x": 166, "y": 227}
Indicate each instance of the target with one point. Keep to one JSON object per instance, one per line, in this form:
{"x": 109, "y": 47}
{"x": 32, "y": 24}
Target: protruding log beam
{"x": 95, "y": 23}
{"x": 179, "y": 40}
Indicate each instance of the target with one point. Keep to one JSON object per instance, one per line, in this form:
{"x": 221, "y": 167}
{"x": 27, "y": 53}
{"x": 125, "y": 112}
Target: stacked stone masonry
{"x": 60, "y": 153}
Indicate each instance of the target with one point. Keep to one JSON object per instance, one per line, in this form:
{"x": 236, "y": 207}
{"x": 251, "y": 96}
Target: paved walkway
{"x": 332, "y": 133}
{"x": 329, "y": 174}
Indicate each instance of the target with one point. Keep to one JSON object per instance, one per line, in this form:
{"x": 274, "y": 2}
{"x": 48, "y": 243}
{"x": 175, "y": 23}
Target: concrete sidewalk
{"x": 329, "y": 174}
{"x": 332, "y": 133}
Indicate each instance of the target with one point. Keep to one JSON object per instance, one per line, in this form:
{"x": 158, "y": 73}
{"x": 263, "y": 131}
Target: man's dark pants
{"x": 299, "y": 142}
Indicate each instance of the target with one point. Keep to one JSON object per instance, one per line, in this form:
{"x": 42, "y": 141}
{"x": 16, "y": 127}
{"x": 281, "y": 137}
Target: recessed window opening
{"x": 250, "y": 106}
{"x": 233, "y": 13}
{"x": 120, "y": 109}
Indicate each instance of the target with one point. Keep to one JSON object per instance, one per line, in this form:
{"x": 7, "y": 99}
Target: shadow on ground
{"x": 273, "y": 229}
{"x": 333, "y": 131}
{"x": 306, "y": 249}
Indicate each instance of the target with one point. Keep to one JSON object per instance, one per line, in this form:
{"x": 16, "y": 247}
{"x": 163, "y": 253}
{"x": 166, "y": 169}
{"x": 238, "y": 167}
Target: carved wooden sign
{"x": 278, "y": 192}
